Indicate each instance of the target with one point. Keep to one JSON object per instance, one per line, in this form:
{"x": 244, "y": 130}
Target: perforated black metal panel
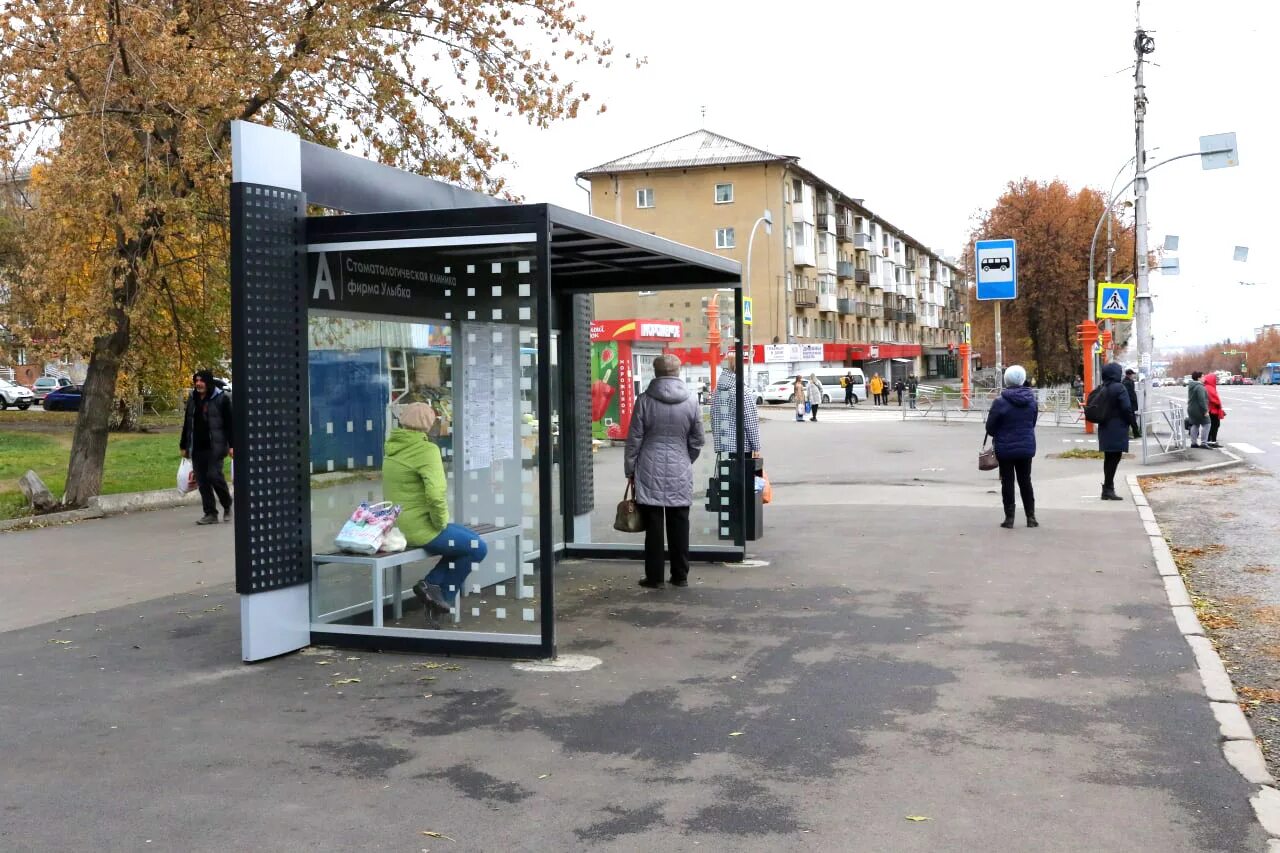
{"x": 584, "y": 497}
{"x": 269, "y": 352}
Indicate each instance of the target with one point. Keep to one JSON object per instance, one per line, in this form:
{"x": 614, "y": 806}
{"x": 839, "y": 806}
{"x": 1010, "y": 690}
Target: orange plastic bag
{"x": 766, "y": 494}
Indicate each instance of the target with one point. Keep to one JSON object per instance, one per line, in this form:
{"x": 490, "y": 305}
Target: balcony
{"x": 806, "y": 298}
{"x": 847, "y": 306}
{"x": 910, "y": 318}
{"x": 863, "y": 241}
{"x": 845, "y": 232}
{"x": 827, "y": 302}
{"x": 844, "y": 270}
{"x": 802, "y": 256}
{"x": 826, "y": 222}
{"x": 861, "y": 276}
{"x": 874, "y": 312}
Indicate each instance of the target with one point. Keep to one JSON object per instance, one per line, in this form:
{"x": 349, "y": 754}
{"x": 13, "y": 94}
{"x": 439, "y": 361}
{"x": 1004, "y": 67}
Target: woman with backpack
{"x": 1011, "y": 424}
{"x": 1115, "y": 420}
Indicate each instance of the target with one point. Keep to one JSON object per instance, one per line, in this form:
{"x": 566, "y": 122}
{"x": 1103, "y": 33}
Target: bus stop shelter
{"x": 408, "y": 290}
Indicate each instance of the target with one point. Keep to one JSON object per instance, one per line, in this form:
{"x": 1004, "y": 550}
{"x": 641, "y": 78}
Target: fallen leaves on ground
{"x": 447, "y": 667}
{"x": 431, "y": 834}
{"x": 346, "y": 681}
{"x": 736, "y": 734}
{"x": 917, "y": 817}
{"x": 61, "y": 642}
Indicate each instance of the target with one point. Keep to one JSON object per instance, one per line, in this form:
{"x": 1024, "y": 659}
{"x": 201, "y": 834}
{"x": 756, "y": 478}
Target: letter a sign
{"x": 1115, "y": 301}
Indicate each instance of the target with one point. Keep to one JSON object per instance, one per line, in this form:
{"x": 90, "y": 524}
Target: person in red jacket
{"x": 1216, "y": 412}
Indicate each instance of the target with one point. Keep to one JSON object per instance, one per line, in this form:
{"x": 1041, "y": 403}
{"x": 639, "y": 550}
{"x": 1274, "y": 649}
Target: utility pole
{"x": 1143, "y": 44}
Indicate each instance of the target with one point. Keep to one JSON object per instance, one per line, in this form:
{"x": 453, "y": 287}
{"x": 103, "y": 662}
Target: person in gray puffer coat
{"x": 665, "y": 438}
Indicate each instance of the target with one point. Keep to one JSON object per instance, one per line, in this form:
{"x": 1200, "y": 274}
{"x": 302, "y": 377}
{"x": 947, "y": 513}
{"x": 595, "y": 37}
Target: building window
{"x": 724, "y": 238}
{"x": 799, "y": 232}
{"x": 797, "y": 191}
{"x": 644, "y": 197}
{"x": 790, "y": 282}
{"x": 724, "y": 193}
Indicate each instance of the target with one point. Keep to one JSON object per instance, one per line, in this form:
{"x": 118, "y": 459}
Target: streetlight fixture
{"x": 767, "y": 219}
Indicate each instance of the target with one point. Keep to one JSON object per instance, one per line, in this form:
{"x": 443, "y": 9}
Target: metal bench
{"x": 483, "y": 575}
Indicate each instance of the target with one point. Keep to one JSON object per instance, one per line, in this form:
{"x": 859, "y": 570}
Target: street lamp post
{"x": 767, "y": 219}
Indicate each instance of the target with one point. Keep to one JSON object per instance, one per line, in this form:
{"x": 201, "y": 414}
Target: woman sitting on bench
{"x": 413, "y": 476}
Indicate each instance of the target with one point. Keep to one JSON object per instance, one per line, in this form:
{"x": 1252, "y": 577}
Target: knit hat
{"x": 1015, "y": 376}
{"x": 417, "y": 416}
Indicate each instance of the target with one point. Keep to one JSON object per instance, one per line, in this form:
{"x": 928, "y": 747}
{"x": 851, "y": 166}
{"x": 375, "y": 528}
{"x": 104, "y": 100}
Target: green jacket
{"x": 413, "y": 477}
{"x": 1197, "y": 403}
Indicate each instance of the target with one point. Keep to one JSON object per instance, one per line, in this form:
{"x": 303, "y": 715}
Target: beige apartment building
{"x": 832, "y": 272}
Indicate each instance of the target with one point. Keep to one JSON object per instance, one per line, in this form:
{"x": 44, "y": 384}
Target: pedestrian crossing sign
{"x": 1115, "y": 301}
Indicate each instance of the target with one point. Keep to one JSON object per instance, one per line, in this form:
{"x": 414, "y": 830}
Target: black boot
{"x": 1031, "y": 517}
{"x": 1109, "y": 493}
{"x": 1007, "y": 524}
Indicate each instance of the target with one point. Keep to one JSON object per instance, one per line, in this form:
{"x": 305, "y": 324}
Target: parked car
{"x": 780, "y": 392}
{"x": 1247, "y": 380}
{"x": 45, "y": 384}
{"x": 64, "y": 399}
{"x": 13, "y": 394}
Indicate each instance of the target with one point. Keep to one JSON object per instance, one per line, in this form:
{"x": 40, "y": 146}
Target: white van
{"x": 832, "y": 392}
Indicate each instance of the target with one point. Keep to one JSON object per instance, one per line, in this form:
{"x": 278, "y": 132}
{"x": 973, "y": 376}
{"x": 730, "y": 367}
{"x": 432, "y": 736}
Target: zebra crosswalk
{"x": 836, "y": 413}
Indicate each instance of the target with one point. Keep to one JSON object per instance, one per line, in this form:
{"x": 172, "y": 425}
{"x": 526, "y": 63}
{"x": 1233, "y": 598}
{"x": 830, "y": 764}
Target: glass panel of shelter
{"x": 457, "y": 334}
{"x": 621, "y": 360}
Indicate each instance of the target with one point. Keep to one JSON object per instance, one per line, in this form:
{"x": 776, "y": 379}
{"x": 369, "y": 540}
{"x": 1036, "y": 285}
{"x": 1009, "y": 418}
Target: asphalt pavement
{"x": 902, "y": 675}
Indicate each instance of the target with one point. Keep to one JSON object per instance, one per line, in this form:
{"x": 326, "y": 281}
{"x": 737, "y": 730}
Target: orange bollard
{"x": 1087, "y": 334}
{"x": 966, "y": 380}
{"x": 713, "y": 338}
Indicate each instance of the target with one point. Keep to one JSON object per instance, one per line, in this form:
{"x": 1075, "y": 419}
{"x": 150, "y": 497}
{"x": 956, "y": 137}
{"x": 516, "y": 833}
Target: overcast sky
{"x": 926, "y": 108}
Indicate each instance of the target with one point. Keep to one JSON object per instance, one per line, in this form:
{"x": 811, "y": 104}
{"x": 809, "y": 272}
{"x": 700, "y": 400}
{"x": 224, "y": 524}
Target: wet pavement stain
{"x": 479, "y": 785}
{"x": 362, "y": 757}
{"x": 623, "y": 822}
{"x": 744, "y": 808}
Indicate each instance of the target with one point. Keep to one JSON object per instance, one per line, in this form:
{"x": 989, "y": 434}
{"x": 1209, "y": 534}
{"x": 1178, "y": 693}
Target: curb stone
{"x": 1240, "y": 747}
{"x": 1266, "y": 805}
{"x": 104, "y": 505}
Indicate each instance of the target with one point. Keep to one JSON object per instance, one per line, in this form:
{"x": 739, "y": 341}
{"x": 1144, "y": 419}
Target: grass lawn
{"x": 135, "y": 461}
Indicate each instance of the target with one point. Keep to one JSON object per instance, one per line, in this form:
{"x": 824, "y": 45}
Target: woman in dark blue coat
{"x": 1011, "y": 424}
{"x": 1113, "y": 433}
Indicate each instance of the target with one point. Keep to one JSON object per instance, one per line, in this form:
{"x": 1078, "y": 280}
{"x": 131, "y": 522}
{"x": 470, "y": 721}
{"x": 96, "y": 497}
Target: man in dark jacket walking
{"x": 1130, "y": 385}
{"x": 1011, "y": 424}
{"x": 206, "y": 441}
{"x": 1198, "y": 411}
{"x": 665, "y": 438}
{"x": 913, "y": 389}
{"x": 1113, "y": 432}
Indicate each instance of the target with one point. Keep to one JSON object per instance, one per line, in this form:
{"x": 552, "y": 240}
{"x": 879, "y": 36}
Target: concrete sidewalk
{"x": 900, "y": 657}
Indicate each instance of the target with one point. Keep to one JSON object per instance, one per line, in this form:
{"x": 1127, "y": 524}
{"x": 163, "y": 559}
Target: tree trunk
{"x": 89, "y": 444}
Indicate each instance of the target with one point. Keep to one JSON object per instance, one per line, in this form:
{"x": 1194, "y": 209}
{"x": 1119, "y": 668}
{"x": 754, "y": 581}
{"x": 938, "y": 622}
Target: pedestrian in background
{"x": 664, "y": 440}
{"x": 815, "y": 396}
{"x": 798, "y": 397}
{"x": 1113, "y": 431}
{"x": 1130, "y": 385}
{"x": 1216, "y": 412}
{"x": 206, "y": 440}
{"x": 900, "y": 387}
{"x": 724, "y": 413}
{"x": 913, "y": 388}
{"x": 848, "y": 389}
{"x": 1198, "y": 411}
{"x": 1011, "y": 423}
{"x": 876, "y": 386}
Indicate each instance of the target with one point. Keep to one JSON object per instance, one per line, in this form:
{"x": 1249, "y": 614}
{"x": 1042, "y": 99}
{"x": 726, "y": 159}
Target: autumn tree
{"x": 1053, "y": 226}
{"x": 1263, "y": 349}
{"x": 129, "y": 105}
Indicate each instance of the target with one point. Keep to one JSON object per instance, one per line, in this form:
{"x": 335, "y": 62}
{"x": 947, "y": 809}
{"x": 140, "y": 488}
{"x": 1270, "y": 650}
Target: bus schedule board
{"x": 997, "y": 269}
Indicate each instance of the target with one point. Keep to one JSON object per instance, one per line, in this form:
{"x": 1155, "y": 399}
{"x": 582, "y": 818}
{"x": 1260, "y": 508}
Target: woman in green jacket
{"x": 413, "y": 477}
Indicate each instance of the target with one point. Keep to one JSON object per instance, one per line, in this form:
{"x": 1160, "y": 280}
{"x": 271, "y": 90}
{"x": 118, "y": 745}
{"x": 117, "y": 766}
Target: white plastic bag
{"x": 394, "y": 541}
{"x": 364, "y": 531}
{"x": 186, "y": 477}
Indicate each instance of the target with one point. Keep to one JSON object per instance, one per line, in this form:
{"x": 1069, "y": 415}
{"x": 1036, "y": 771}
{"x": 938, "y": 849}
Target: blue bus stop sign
{"x": 997, "y": 269}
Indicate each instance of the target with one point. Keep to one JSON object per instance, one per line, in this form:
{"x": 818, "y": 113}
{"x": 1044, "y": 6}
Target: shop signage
{"x": 775, "y": 353}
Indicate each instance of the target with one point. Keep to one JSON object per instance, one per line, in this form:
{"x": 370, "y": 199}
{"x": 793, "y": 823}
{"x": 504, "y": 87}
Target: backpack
{"x": 1096, "y": 408}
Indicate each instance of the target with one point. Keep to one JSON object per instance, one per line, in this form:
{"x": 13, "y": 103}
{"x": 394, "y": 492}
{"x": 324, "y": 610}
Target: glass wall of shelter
{"x": 479, "y": 318}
